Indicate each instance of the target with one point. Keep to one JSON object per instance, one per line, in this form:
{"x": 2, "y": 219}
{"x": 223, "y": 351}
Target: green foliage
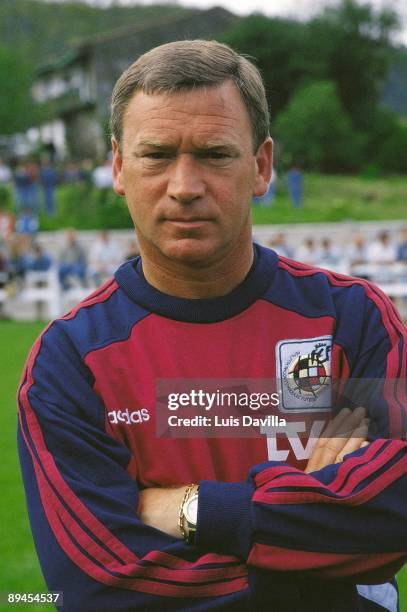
{"x": 387, "y": 142}
{"x": 347, "y": 45}
{"x": 85, "y": 207}
{"x": 355, "y": 42}
{"x": 277, "y": 47}
{"x": 17, "y": 111}
{"x": 315, "y": 130}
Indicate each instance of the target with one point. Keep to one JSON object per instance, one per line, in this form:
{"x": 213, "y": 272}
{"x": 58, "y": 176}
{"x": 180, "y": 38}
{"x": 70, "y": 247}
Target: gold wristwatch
{"x": 190, "y": 516}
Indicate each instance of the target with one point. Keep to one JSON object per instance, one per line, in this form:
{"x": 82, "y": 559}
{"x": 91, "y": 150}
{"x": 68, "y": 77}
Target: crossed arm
{"x": 346, "y": 433}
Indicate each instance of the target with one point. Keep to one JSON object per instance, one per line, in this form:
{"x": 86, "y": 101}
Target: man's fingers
{"x": 336, "y": 423}
{"x": 336, "y": 439}
{"x": 356, "y": 441}
{"x": 325, "y": 454}
{"x": 318, "y": 457}
{"x": 342, "y": 425}
{"x": 346, "y": 425}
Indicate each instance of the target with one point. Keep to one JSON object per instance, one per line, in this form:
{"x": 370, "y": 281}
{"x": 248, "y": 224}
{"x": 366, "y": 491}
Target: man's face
{"x": 188, "y": 172}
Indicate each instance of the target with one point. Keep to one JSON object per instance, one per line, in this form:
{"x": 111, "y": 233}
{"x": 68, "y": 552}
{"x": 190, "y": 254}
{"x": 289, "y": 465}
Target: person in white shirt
{"x": 102, "y": 175}
{"x": 308, "y": 252}
{"x": 104, "y": 257}
{"x": 357, "y": 250}
{"x": 382, "y": 250}
{"x": 5, "y": 173}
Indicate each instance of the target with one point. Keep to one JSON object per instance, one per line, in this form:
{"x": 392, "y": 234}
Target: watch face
{"x": 191, "y": 510}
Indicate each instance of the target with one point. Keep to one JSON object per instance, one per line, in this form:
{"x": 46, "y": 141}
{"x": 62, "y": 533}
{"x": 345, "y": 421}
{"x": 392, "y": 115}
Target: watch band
{"x": 186, "y": 525}
{"x": 181, "y": 516}
{"x": 191, "y": 524}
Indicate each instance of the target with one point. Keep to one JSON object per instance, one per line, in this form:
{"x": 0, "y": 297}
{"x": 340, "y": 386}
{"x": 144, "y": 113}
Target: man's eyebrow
{"x": 157, "y": 144}
{"x": 218, "y": 144}
{"x": 209, "y": 144}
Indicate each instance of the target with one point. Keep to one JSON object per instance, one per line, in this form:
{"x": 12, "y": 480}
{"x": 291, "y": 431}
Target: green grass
{"x": 19, "y": 568}
{"x": 339, "y": 198}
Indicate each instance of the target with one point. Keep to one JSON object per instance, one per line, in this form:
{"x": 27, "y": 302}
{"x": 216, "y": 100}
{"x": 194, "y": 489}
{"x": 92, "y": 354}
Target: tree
{"x": 348, "y": 44}
{"x": 355, "y": 42}
{"x": 277, "y": 47}
{"x": 315, "y": 130}
{"x": 17, "y": 110}
{"x": 387, "y": 142}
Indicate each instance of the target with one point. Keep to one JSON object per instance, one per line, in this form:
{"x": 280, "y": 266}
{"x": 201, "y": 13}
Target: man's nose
{"x": 186, "y": 182}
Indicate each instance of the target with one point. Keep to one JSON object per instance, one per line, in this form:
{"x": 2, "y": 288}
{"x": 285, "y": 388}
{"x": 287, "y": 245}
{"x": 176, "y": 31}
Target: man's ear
{"x": 264, "y": 167}
{"x": 117, "y": 168}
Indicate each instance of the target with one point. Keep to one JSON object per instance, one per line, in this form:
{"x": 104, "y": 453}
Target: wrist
{"x": 225, "y": 517}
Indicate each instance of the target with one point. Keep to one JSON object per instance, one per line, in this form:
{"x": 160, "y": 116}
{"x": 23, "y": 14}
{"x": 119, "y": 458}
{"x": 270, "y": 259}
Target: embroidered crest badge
{"x": 304, "y": 374}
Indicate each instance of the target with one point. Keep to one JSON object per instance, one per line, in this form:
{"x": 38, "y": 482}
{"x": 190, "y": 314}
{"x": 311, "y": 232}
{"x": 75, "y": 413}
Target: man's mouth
{"x": 188, "y": 221}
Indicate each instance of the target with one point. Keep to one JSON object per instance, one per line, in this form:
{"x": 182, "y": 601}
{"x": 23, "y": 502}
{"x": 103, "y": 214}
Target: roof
{"x": 84, "y": 46}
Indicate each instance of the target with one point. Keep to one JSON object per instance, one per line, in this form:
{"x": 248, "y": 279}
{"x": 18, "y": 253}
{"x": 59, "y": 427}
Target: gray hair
{"x": 186, "y": 64}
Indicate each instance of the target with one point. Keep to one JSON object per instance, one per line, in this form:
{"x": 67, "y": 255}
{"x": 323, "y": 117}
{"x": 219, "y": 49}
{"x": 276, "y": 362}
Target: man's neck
{"x": 195, "y": 282}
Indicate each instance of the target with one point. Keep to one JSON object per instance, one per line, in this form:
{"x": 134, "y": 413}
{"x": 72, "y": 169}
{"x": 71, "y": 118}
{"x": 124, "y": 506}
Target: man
{"x": 72, "y": 261}
{"x": 116, "y": 513}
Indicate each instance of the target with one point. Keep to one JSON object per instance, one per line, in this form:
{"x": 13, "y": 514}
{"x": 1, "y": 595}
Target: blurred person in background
{"x": 295, "y": 185}
{"x": 38, "y": 259}
{"x": 26, "y": 185}
{"x": 71, "y": 173}
{"x": 308, "y": 252}
{"x": 5, "y": 173}
{"x": 401, "y": 254}
{"x": 72, "y": 261}
{"x": 7, "y": 223}
{"x": 86, "y": 169}
{"x": 102, "y": 175}
{"x": 328, "y": 253}
{"x": 27, "y": 222}
{"x": 104, "y": 257}
{"x": 132, "y": 250}
{"x": 19, "y": 260}
{"x": 49, "y": 181}
{"x": 356, "y": 251}
{"x": 279, "y": 244}
{"x": 382, "y": 250}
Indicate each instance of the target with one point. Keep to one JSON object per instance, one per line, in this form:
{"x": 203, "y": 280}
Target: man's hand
{"x": 159, "y": 508}
{"x": 344, "y": 434}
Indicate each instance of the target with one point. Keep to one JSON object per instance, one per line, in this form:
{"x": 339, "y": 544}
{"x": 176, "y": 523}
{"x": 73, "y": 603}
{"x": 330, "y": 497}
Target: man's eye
{"x": 157, "y": 155}
{"x": 216, "y": 155}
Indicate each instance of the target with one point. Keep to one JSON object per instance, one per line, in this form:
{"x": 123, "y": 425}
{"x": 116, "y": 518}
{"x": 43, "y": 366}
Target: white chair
{"x": 43, "y": 288}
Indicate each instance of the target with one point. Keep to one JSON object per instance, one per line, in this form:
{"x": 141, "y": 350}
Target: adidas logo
{"x": 127, "y": 417}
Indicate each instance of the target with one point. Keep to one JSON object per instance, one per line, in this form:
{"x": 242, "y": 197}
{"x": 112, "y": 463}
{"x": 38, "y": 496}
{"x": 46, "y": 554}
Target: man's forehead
{"x": 197, "y": 116}
{"x": 221, "y": 104}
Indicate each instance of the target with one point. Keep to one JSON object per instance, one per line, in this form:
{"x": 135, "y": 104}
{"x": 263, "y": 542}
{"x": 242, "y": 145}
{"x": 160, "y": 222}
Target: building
{"x": 75, "y": 90}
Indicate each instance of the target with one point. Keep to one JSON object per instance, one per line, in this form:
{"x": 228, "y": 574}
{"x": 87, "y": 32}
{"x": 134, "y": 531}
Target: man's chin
{"x": 192, "y": 252}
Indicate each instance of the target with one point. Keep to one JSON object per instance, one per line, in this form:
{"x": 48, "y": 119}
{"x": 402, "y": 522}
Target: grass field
{"x": 339, "y": 198}
{"x": 19, "y": 569}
